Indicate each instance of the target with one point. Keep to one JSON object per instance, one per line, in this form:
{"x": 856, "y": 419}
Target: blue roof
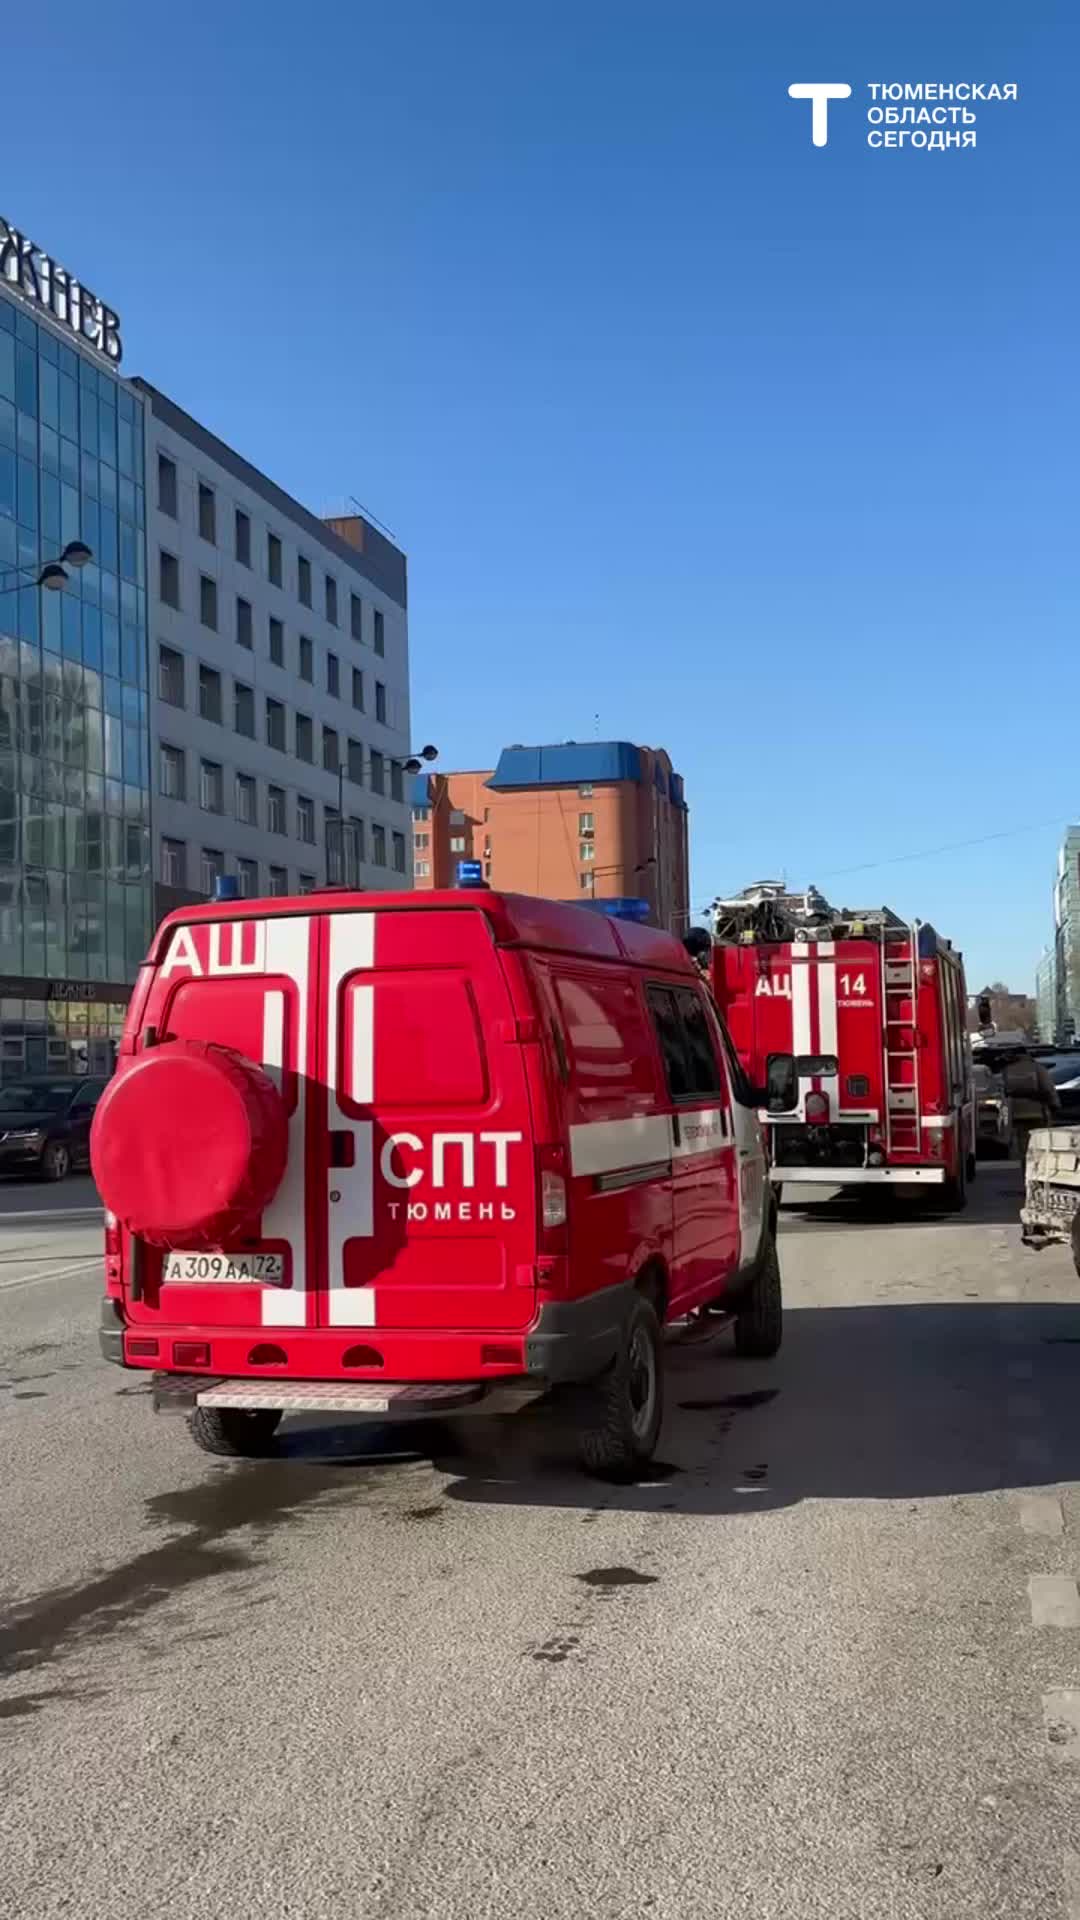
{"x": 575, "y": 764}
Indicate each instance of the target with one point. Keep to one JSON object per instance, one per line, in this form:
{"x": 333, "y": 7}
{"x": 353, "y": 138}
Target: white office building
{"x": 279, "y": 679}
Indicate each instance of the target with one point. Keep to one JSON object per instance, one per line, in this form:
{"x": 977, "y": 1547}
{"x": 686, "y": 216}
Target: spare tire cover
{"x": 189, "y": 1144}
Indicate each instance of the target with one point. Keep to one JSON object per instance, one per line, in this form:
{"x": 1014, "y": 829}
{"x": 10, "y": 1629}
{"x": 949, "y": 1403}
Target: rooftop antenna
{"x": 363, "y": 511}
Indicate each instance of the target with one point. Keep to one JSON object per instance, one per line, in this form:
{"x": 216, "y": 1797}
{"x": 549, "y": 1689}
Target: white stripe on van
{"x": 350, "y": 1190}
{"x": 622, "y": 1146}
{"x": 616, "y": 1146}
{"x": 288, "y": 945}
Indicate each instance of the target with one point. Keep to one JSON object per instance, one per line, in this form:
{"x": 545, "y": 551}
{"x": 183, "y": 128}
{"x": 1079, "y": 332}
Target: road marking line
{"x": 1007, "y": 1291}
{"x": 1041, "y": 1514}
{"x": 1055, "y": 1601}
{"x": 1061, "y": 1719}
{"x": 45, "y": 1214}
{"x": 61, "y": 1273}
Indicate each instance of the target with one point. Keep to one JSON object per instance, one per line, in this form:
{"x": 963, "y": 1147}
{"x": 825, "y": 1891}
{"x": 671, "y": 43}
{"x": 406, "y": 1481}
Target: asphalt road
{"x": 824, "y": 1661}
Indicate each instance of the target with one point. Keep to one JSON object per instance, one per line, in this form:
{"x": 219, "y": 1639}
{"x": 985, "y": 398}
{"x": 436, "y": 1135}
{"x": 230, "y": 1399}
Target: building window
{"x": 331, "y": 755}
{"x": 457, "y": 843}
{"x": 358, "y": 689}
{"x": 487, "y": 869}
{"x": 279, "y": 882}
{"x": 245, "y": 631}
{"x": 457, "y": 818}
{"x": 397, "y": 780}
{"x": 305, "y": 820}
{"x": 207, "y": 514}
{"x": 356, "y": 616}
{"x": 421, "y": 841}
{"x": 355, "y": 761}
{"x": 208, "y": 601}
{"x": 378, "y": 846}
{"x": 331, "y": 600}
{"x": 275, "y": 725}
{"x": 380, "y": 703}
{"x": 586, "y": 881}
{"x": 398, "y": 843}
{"x": 585, "y": 823}
{"x": 333, "y": 675}
{"x": 277, "y": 642}
{"x": 244, "y": 709}
{"x": 210, "y": 694}
{"x": 172, "y": 775}
{"x": 211, "y": 868}
{"x": 422, "y": 869}
{"x": 585, "y": 792}
{"x": 169, "y": 578}
{"x": 587, "y": 850}
{"x": 303, "y": 580}
{"x": 173, "y": 863}
{"x": 307, "y": 659}
{"x": 421, "y": 813}
{"x": 247, "y": 874}
{"x": 246, "y": 800}
{"x": 211, "y": 787}
{"x": 170, "y": 676}
{"x": 378, "y": 772}
{"x": 243, "y": 538}
{"x": 275, "y": 809}
{"x": 273, "y": 559}
{"x": 380, "y": 634}
{"x": 305, "y": 738}
{"x": 166, "y": 485}
{"x": 305, "y": 883}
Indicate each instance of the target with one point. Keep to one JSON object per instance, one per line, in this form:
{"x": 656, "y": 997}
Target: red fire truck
{"x": 873, "y": 1009}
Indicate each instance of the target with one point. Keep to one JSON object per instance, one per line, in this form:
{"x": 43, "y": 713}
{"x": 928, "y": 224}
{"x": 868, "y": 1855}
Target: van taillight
{"x": 551, "y": 1198}
{"x": 113, "y": 1252}
{"x": 816, "y": 1109}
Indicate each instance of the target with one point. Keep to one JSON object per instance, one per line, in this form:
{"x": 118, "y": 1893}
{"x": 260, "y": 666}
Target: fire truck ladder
{"x": 899, "y": 997}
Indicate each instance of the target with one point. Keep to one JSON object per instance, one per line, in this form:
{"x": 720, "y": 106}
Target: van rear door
{"x": 423, "y": 1148}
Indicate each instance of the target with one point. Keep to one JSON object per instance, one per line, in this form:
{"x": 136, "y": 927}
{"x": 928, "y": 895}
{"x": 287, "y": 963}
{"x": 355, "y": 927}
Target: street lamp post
{"x": 342, "y": 849}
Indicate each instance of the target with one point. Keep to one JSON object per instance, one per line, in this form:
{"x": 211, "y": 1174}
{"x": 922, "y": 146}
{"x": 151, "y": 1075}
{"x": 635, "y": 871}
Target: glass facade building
{"x": 75, "y": 870}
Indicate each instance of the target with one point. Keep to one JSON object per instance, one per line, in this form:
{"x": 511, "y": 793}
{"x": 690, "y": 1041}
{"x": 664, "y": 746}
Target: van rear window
{"x": 429, "y": 1049}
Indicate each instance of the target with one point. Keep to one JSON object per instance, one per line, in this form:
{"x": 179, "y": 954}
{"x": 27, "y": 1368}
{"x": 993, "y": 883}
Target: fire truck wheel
{"x": 759, "y": 1323}
{"x": 621, "y": 1414}
{"x": 233, "y": 1434}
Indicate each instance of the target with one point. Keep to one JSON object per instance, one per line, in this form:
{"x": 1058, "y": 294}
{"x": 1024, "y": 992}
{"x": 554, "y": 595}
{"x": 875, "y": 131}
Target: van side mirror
{"x": 780, "y": 1094}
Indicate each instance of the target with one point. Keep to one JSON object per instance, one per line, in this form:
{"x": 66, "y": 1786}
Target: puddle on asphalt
{"x": 617, "y": 1577}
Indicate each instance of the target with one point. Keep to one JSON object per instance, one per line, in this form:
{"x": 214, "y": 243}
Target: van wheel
{"x": 622, "y": 1413}
{"x": 233, "y": 1434}
{"x": 759, "y": 1322}
{"x": 954, "y": 1192}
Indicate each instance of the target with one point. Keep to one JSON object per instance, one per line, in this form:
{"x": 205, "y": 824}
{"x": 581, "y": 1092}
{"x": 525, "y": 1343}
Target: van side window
{"x": 704, "y": 1067}
{"x": 610, "y": 1060}
{"x": 673, "y": 1045}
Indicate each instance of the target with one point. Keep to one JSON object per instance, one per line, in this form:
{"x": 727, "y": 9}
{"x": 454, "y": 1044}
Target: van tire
{"x": 233, "y": 1434}
{"x": 621, "y": 1413}
{"x": 954, "y": 1191}
{"x": 759, "y": 1321}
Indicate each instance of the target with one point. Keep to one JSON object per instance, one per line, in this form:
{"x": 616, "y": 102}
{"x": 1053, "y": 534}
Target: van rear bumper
{"x": 574, "y": 1340}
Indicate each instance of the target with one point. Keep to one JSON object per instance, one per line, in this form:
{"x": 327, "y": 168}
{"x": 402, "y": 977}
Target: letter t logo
{"x": 820, "y": 92}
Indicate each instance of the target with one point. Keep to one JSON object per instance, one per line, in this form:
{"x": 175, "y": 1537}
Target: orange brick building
{"x": 605, "y": 820}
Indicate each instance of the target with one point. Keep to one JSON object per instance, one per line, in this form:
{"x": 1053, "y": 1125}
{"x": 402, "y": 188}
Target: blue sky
{"x": 694, "y": 434}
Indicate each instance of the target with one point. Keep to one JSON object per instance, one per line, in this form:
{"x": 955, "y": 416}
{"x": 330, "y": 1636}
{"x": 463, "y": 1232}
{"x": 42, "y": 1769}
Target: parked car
{"x": 45, "y": 1125}
{"x": 1063, "y": 1066}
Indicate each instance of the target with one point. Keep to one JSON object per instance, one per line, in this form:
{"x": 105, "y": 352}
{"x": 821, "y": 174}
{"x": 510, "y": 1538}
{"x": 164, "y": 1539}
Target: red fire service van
{"x": 385, "y": 1154}
{"x": 874, "y": 1012}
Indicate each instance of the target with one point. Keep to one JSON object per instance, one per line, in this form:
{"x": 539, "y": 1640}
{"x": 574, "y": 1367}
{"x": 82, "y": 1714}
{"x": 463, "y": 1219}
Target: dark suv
{"x": 45, "y": 1125}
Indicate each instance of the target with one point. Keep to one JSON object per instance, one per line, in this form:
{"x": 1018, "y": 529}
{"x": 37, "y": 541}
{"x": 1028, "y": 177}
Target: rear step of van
{"x": 180, "y": 1393}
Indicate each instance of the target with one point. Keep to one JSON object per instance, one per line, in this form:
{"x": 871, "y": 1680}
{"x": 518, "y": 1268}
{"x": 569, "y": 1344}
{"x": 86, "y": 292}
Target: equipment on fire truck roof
{"x": 766, "y": 912}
